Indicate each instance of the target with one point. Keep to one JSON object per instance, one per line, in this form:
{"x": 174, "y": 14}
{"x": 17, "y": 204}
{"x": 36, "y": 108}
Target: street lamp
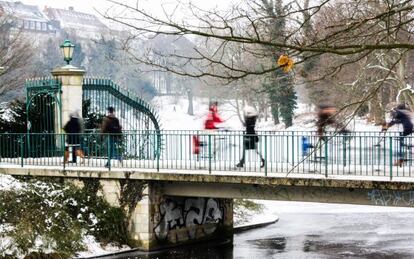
{"x": 67, "y": 50}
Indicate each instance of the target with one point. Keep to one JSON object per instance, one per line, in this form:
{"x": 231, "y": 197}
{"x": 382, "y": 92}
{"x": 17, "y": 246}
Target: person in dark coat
{"x": 400, "y": 115}
{"x": 250, "y": 138}
{"x": 73, "y": 128}
{"x": 113, "y": 128}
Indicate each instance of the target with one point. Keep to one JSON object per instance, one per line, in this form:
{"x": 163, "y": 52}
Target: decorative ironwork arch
{"x": 43, "y": 98}
{"x": 138, "y": 119}
{"x": 43, "y": 111}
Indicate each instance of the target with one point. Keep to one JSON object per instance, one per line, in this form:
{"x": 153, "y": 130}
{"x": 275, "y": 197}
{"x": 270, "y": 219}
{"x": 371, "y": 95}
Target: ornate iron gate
{"x": 43, "y": 109}
{"x": 140, "y": 124}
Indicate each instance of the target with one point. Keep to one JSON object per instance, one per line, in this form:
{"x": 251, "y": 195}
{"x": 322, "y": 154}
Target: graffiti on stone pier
{"x": 391, "y": 198}
{"x": 189, "y": 214}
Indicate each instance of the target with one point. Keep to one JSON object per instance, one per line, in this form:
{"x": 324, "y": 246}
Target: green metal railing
{"x": 360, "y": 153}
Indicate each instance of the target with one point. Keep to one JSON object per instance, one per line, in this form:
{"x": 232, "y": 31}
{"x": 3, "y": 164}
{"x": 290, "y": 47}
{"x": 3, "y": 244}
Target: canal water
{"x": 309, "y": 230}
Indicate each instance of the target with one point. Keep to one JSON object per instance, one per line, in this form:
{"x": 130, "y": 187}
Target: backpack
{"x": 114, "y": 126}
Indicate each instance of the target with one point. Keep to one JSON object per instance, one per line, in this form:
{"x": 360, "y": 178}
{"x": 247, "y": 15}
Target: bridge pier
{"x": 159, "y": 221}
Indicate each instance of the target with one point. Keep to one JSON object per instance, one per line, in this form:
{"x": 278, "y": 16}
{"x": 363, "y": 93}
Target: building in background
{"x": 26, "y": 18}
{"x": 82, "y": 25}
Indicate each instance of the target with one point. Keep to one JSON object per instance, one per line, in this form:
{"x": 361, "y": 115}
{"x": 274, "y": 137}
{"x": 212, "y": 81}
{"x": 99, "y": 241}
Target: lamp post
{"x": 71, "y": 79}
{"x": 67, "y": 50}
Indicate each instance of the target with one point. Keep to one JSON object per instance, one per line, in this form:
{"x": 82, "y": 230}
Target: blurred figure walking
{"x": 73, "y": 129}
{"x": 250, "y": 138}
{"x": 113, "y": 128}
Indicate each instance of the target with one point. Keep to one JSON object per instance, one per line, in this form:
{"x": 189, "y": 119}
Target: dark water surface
{"x": 331, "y": 235}
{"x": 315, "y": 235}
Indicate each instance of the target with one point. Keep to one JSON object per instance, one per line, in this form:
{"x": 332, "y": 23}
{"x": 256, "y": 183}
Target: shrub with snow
{"x": 46, "y": 217}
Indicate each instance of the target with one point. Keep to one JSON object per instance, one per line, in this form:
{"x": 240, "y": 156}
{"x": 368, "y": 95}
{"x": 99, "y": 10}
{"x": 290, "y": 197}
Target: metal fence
{"x": 358, "y": 153}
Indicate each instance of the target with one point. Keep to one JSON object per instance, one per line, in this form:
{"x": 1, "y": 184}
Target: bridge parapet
{"x": 295, "y": 187}
{"x": 357, "y": 154}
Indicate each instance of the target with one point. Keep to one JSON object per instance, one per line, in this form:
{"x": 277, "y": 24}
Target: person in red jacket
{"x": 212, "y": 118}
{"x": 210, "y": 124}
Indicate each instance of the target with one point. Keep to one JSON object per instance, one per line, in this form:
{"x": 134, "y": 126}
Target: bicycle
{"x": 202, "y": 149}
{"x": 324, "y": 144}
{"x": 404, "y": 151}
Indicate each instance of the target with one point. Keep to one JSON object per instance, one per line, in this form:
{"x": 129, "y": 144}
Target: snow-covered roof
{"x": 23, "y": 11}
{"x": 69, "y": 18}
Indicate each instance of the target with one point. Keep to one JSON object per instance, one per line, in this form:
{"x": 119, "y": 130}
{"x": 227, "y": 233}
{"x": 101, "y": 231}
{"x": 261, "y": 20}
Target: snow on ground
{"x": 8, "y": 183}
{"x": 93, "y": 248}
{"x": 267, "y": 215}
{"x": 173, "y": 113}
{"x": 173, "y": 116}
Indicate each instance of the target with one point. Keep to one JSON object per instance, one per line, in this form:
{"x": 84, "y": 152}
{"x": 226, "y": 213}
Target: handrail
{"x": 356, "y": 154}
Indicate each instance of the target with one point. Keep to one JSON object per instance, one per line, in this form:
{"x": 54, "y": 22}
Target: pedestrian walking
{"x": 73, "y": 129}
{"x": 113, "y": 129}
{"x": 400, "y": 115}
{"x": 250, "y": 138}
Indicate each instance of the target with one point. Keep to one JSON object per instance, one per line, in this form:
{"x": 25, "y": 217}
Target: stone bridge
{"x": 174, "y": 207}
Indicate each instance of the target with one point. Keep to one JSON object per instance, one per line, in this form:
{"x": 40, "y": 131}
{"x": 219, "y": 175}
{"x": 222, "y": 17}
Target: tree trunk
{"x": 275, "y": 113}
{"x": 190, "y": 96}
{"x": 239, "y": 114}
{"x": 375, "y": 110}
{"x": 168, "y": 83}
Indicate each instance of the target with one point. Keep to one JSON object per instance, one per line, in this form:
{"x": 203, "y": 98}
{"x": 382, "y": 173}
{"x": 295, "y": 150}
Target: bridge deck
{"x": 312, "y": 187}
{"x": 219, "y": 167}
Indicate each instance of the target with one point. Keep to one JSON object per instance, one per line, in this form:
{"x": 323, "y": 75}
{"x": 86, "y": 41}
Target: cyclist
{"x": 326, "y": 117}
{"x": 400, "y": 115}
{"x": 212, "y": 118}
{"x": 210, "y": 124}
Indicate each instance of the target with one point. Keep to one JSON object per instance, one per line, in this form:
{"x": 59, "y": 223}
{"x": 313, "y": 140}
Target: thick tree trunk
{"x": 275, "y": 112}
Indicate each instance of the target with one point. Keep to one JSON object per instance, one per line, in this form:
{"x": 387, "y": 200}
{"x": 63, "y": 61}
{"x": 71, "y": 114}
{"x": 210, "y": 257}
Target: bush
{"x": 46, "y": 216}
{"x": 40, "y": 222}
{"x": 106, "y": 223}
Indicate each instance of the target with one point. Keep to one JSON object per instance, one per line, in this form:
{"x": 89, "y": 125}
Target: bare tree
{"x": 15, "y": 56}
{"x": 326, "y": 38}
